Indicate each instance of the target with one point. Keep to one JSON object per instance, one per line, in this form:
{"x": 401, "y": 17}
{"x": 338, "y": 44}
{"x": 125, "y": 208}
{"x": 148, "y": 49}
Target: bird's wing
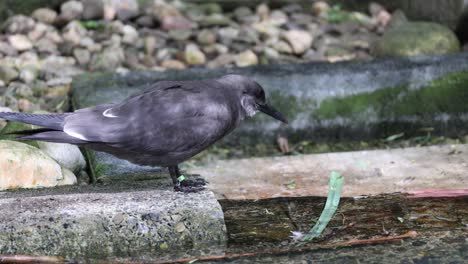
{"x": 163, "y": 118}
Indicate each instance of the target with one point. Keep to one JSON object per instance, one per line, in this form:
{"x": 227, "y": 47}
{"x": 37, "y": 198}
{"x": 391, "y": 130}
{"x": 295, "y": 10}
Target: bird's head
{"x": 252, "y": 97}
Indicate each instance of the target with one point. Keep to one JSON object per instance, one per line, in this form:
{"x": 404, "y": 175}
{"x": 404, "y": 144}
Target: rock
{"x": 165, "y": 53}
{"x": 180, "y": 34}
{"x": 54, "y": 36}
{"x": 18, "y": 24}
{"x": 20, "y": 90}
{"x": 263, "y": 11}
{"x": 176, "y": 22}
{"x": 246, "y": 58}
{"x": 45, "y": 15}
{"x": 127, "y": 9}
{"x": 58, "y": 66}
{"x": 215, "y": 49}
{"x": 267, "y": 28}
{"x": 214, "y": 20}
{"x": 299, "y": 40}
{"x": 228, "y": 34}
{"x": 93, "y": 9}
{"x": 193, "y": 55}
{"x": 278, "y": 18}
{"x": 241, "y": 12}
{"x": 221, "y": 60}
{"x": 206, "y": 37}
{"x": 320, "y": 9}
{"x": 145, "y": 21}
{"x": 271, "y": 53}
{"x": 8, "y": 74}
{"x": 74, "y": 32}
{"x": 210, "y": 8}
{"x": 150, "y": 44}
{"x": 39, "y": 31}
{"x": 20, "y": 42}
{"x": 71, "y": 10}
{"x": 416, "y": 38}
{"x": 109, "y": 59}
{"x": 24, "y": 166}
{"x": 173, "y": 64}
{"x": 283, "y": 47}
{"x": 180, "y": 227}
{"x": 82, "y": 56}
{"x": 45, "y": 45}
{"x": 7, "y": 49}
{"x": 130, "y": 35}
{"x": 67, "y": 155}
{"x": 28, "y": 73}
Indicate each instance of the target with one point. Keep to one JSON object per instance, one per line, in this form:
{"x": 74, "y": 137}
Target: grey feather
{"x": 52, "y": 121}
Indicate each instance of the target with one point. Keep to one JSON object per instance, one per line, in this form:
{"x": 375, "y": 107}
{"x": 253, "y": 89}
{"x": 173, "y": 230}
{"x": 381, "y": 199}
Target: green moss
{"x": 16, "y": 126}
{"x": 289, "y": 105}
{"x": 448, "y": 94}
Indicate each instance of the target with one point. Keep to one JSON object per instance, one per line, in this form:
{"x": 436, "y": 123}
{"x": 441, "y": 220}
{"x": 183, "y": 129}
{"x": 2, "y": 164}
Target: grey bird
{"x": 162, "y": 126}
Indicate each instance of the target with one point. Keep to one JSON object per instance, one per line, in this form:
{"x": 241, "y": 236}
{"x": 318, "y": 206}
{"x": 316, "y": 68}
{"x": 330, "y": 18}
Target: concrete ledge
{"x": 373, "y": 172}
{"x": 99, "y": 225}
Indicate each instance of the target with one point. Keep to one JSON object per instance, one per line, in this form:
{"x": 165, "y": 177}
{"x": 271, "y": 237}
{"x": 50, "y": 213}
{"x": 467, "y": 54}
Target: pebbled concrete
{"x": 97, "y": 224}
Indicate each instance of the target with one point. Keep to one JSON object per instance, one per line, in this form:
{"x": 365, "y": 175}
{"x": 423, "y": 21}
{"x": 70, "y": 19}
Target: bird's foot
{"x": 190, "y": 186}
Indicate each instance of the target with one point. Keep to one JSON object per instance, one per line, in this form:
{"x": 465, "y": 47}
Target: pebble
{"x": 8, "y": 74}
{"x": 93, "y": 9}
{"x": 246, "y": 58}
{"x": 283, "y": 47}
{"x": 74, "y": 32}
{"x": 150, "y": 44}
{"x": 71, "y": 10}
{"x": 130, "y": 35}
{"x": 206, "y": 37}
{"x": 221, "y": 60}
{"x": 28, "y": 74}
{"x": 320, "y": 9}
{"x": 20, "y": 42}
{"x": 173, "y": 64}
{"x": 82, "y": 56}
{"x": 180, "y": 34}
{"x": 299, "y": 40}
{"x": 18, "y": 24}
{"x": 180, "y": 227}
{"x": 193, "y": 55}
{"x": 45, "y": 15}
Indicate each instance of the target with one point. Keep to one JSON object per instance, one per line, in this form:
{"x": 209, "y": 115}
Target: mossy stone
{"x": 416, "y": 38}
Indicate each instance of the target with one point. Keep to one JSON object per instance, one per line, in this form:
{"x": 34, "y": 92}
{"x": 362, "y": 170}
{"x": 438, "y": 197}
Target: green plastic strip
{"x": 333, "y": 200}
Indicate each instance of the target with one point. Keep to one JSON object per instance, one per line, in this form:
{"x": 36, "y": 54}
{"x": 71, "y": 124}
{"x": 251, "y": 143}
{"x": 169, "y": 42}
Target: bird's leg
{"x": 184, "y": 185}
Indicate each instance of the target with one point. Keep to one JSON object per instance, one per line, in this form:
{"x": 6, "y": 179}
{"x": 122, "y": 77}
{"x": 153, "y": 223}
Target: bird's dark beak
{"x": 269, "y": 110}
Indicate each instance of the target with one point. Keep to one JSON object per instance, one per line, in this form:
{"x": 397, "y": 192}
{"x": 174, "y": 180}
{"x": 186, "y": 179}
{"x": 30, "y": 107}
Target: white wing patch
{"x": 107, "y": 113}
{"x": 75, "y": 135}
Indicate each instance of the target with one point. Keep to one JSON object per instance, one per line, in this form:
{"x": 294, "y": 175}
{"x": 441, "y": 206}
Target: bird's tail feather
{"x": 29, "y": 131}
{"x": 52, "y": 121}
{"x": 53, "y": 136}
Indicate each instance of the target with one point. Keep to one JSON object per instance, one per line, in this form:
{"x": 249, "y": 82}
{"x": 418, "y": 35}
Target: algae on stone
{"x": 444, "y": 95}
